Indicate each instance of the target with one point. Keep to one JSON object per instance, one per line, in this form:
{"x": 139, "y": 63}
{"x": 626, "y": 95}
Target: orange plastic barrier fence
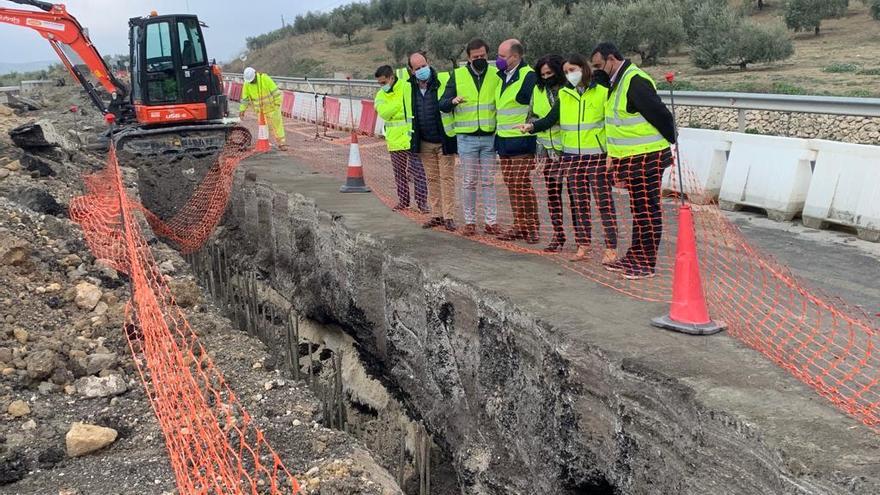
{"x": 214, "y": 445}
{"x": 367, "y": 124}
{"x": 332, "y": 109}
{"x": 548, "y": 206}
{"x": 288, "y": 98}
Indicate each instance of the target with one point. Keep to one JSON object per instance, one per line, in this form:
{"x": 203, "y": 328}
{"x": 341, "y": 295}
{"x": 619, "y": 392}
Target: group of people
{"x": 586, "y": 121}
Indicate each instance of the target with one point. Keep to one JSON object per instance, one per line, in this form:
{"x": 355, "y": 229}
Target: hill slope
{"x": 844, "y": 60}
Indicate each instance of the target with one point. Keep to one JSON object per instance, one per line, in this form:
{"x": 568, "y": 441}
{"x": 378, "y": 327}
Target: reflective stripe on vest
{"x": 511, "y": 112}
{"x": 448, "y": 119}
{"x": 582, "y": 120}
{"x": 630, "y": 134}
{"x": 552, "y": 137}
{"x": 477, "y": 112}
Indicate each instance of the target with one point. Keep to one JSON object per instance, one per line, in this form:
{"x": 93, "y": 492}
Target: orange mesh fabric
{"x": 214, "y": 445}
{"x": 823, "y": 341}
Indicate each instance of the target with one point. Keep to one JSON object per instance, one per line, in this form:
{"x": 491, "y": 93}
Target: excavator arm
{"x": 60, "y": 28}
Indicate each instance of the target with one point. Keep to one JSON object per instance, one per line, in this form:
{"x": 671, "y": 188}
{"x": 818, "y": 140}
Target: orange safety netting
{"x": 548, "y": 206}
{"x": 214, "y": 445}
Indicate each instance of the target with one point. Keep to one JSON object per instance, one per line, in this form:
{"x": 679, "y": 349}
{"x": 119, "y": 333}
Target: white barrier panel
{"x": 767, "y": 172}
{"x": 845, "y": 189}
{"x": 349, "y": 113}
{"x": 703, "y": 153}
{"x": 304, "y": 107}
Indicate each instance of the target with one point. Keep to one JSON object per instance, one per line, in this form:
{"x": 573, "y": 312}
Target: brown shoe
{"x": 469, "y": 230}
{"x": 531, "y": 238}
{"x": 449, "y": 225}
{"x": 282, "y": 147}
{"x": 583, "y": 254}
{"x": 433, "y": 222}
{"x": 492, "y": 229}
{"x": 512, "y": 235}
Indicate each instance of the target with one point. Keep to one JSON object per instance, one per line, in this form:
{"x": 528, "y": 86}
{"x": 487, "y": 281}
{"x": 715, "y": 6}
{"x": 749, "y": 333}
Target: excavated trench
{"x": 459, "y": 388}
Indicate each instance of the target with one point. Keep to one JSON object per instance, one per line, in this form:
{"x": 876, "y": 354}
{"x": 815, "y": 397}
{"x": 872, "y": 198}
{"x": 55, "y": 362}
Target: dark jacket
{"x": 642, "y": 98}
{"x": 451, "y": 92}
{"x": 449, "y": 144}
{"x": 525, "y": 145}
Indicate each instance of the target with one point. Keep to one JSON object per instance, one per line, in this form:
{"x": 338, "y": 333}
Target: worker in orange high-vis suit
{"x": 261, "y": 92}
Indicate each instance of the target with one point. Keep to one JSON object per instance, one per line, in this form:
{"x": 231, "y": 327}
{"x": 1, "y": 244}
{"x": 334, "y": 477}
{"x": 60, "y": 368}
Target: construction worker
{"x": 580, "y": 115}
{"x": 470, "y": 100}
{"x": 640, "y": 130}
{"x": 260, "y": 91}
{"x": 513, "y": 96}
{"x": 392, "y": 105}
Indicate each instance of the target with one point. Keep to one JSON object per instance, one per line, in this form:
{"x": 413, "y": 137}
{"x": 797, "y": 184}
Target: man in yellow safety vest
{"x": 260, "y": 91}
{"x": 639, "y": 131}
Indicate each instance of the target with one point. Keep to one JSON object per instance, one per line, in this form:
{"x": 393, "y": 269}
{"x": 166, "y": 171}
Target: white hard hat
{"x": 249, "y": 74}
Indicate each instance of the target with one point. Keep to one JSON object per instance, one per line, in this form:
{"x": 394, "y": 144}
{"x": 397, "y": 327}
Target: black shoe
{"x": 532, "y": 238}
{"x": 618, "y": 266}
{"x": 638, "y": 272}
{"x": 424, "y": 210}
{"x": 433, "y": 222}
{"x": 449, "y": 225}
{"x": 512, "y": 235}
{"x": 400, "y": 206}
{"x": 555, "y": 245}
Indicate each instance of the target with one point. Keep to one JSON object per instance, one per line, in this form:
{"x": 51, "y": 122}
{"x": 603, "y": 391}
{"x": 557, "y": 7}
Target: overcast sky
{"x": 107, "y": 20}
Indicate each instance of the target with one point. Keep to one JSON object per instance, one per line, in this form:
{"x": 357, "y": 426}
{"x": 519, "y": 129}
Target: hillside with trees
{"x": 786, "y": 46}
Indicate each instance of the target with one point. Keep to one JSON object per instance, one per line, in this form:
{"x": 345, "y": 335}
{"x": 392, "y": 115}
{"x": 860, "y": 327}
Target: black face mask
{"x": 480, "y": 65}
{"x": 600, "y": 77}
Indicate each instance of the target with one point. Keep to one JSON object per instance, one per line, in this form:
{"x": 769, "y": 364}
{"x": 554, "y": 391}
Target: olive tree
{"x": 806, "y": 15}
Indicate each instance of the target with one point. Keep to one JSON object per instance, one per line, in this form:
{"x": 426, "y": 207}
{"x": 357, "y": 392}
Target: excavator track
{"x": 169, "y": 143}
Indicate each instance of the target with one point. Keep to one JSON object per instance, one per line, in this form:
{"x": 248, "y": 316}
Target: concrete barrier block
{"x": 704, "y": 159}
{"x": 767, "y": 172}
{"x": 845, "y": 189}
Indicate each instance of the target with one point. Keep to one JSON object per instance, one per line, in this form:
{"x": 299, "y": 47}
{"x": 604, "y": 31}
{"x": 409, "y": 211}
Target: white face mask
{"x": 574, "y": 77}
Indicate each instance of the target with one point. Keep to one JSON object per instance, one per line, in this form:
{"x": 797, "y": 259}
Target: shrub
{"x": 840, "y": 68}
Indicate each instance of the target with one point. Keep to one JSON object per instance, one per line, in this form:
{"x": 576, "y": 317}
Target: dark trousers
{"x": 407, "y": 166}
{"x": 586, "y": 176}
{"x": 643, "y": 175}
{"x": 517, "y": 173}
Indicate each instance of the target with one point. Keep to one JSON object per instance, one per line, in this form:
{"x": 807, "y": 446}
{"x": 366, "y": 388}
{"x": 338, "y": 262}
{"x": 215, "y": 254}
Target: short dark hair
{"x": 475, "y": 44}
{"x": 605, "y": 49}
{"x": 409, "y": 57}
{"x": 582, "y": 62}
{"x": 517, "y": 48}
{"x": 384, "y": 71}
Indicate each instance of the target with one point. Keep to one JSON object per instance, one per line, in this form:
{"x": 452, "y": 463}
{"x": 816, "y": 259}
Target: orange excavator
{"x": 176, "y": 103}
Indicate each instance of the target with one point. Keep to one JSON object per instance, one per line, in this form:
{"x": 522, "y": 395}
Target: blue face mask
{"x": 424, "y": 73}
{"x": 386, "y": 88}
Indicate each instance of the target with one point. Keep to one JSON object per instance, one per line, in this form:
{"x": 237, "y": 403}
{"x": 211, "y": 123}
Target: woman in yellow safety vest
{"x": 548, "y": 149}
{"x": 580, "y": 114}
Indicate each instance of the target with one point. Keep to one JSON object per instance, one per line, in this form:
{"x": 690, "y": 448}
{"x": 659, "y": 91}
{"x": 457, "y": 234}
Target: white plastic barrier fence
{"x": 845, "y": 189}
{"x": 704, "y": 154}
{"x": 767, "y": 172}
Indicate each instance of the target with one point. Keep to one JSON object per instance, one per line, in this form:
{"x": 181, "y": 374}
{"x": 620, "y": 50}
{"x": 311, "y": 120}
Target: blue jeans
{"x": 477, "y": 155}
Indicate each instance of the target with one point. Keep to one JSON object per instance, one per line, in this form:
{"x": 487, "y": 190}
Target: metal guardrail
{"x": 831, "y": 105}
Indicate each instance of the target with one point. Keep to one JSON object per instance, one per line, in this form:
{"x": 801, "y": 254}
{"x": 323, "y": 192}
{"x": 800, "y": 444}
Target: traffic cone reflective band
{"x": 688, "y": 312}
{"x": 354, "y": 182}
{"x": 262, "y": 134}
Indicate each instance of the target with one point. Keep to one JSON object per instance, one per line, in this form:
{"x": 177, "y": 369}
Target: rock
{"x": 97, "y": 363}
{"x": 21, "y": 335}
{"x": 84, "y": 439}
{"x": 167, "y": 267}
{"x": 186, "y": 293}
{"x": 13, "y": 467}
{"x": 87, "y": 296}
{"x": 18, "y": 408}
{"x": 40, "y": 364}
{"x": 46, "y": 388}
{"x": 101, "y": 308}
{"x": 312, "y": 472}
{"x": 4, "y": 173}
{"x": 13, "y": 251}
{"x": 71, "y": 260}
{"x": 296, "y": 422}
{"x": 29, "y": 425}
{"x": 13, "y": 166}
{"x": 39, "y": 201}
{"x": 6, "y": 111}
{"x": 105, "y": 386}
{"x": 40, "y": 165}
{"x": 106, "y": 270}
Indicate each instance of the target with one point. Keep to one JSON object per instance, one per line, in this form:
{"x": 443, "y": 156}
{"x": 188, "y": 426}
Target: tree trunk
{"x": 760, "y": 4}
{"x": 817, "y": 30}
{"x": 349, "y": 38}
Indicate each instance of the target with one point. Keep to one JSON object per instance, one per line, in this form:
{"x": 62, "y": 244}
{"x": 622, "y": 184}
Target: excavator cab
{"x": 171, "y": 77}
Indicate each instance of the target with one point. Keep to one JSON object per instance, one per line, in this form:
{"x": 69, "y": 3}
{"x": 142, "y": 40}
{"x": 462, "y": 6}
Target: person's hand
{"x": 458, "y": 99}
{"x": 241, "y": 115}
{"x": 525, "y": 128}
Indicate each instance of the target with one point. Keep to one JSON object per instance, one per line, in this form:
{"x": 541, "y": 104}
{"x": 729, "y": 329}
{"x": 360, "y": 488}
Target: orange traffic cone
{"x": 688, "y": 312}
{"x": 354, "y": 182}
{"x": 262, "y": 134}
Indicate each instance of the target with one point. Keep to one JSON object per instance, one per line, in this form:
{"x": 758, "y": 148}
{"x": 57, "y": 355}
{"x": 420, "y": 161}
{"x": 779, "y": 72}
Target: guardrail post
{"x": 741, "y": 119}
